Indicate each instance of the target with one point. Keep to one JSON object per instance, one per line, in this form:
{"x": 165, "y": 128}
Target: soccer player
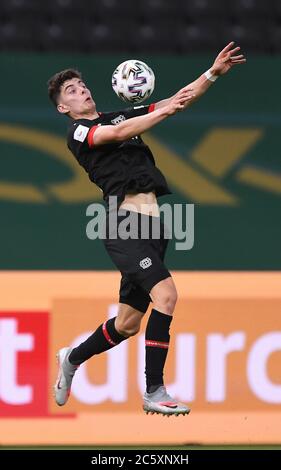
{"x": 109, "y": 147}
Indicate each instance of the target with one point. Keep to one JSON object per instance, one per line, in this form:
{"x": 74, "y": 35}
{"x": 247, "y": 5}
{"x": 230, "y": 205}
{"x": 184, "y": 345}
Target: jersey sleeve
{"x": 138, "y": 110}
{"x": 80, "y": 137}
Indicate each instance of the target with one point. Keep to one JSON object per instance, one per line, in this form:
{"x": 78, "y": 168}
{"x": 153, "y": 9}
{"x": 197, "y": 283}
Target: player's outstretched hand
{"x": 180, "y": 100}
{"x": 226, "y": 59}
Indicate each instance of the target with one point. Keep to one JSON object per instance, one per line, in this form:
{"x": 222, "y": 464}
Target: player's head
{"x": 69, "y": 94}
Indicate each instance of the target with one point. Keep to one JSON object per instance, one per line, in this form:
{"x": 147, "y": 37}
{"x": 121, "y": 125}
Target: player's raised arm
{"x": 137, "y": 125}
{"x": 225, "y": 60}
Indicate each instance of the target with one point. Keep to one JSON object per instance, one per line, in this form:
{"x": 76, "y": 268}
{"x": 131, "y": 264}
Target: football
{"x": 133, "y": 81}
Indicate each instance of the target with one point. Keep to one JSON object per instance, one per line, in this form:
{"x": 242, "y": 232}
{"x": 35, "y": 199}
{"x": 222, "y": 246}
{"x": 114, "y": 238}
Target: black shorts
{"x": 139, "y": 260}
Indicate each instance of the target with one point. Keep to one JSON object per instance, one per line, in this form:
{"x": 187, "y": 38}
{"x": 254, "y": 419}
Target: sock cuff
{"x": 157, "y": 344}
{"x": 163, "y": 317}
{"x": 110, "y": 333}
{"x": 157, "y": 329}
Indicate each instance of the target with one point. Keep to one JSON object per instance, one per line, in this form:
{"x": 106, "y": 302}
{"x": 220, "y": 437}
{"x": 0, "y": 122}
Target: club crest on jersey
{"x": 118, "y": 119}
{"x": 80, "y": 133}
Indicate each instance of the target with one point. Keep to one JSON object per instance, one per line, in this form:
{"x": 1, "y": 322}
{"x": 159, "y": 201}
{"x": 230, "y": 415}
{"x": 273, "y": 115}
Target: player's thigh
{"x": 133, "y": 295}
{"x": 138, "y": 260}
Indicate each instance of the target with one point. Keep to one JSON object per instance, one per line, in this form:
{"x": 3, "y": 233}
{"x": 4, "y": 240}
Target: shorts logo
{"x": 145, "y": 263}
{"x": 80, "y": 133}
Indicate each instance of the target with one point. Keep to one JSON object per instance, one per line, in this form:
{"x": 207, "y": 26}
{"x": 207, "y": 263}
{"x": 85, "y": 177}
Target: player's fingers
{"x": 188, "y": 97}
{"x": 227, "y": 48}
{"x": 185, "y": 97}
{"x": 177, "y": 107}
{"x": 242, "y": 61}
{"x": 185, "y": 92}
{"x": 237, "y": 57}
{"x": 233, "y": 51}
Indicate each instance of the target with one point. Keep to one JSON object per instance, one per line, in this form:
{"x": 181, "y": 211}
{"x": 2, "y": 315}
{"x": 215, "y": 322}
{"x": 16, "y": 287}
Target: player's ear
{"x": 62, "y": 108}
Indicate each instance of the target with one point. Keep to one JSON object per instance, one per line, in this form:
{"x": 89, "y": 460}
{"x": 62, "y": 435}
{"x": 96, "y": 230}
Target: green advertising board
{"x": 222, "y": 155}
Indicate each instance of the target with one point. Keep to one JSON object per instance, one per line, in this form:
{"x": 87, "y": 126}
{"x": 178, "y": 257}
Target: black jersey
{"x": 117, "y": 168}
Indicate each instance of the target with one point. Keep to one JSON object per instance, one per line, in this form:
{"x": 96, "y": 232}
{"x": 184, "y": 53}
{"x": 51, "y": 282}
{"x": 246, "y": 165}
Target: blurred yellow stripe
{"x": 21, "y": 193}
{"x": 187, "y": 180}
{"x": 76, "y": 189}
{"x": 222, "y": 148}
{"x": 260, "y": 178}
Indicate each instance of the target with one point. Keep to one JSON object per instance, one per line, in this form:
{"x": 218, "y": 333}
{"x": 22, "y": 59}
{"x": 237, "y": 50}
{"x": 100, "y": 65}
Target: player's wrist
{"x": 211, "y": 74}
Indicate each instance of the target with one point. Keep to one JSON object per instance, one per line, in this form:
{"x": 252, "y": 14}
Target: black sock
{"x": 105, "y": 337}
{"x": 156, "y": 348}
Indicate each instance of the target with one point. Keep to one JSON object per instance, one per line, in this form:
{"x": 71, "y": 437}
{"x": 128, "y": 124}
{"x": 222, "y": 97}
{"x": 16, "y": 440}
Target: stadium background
{"x": 222, "y": 155}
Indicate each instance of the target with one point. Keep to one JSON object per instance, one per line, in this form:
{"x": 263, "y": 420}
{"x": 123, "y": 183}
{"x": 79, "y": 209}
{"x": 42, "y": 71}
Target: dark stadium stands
{"x": 161, "y": 26}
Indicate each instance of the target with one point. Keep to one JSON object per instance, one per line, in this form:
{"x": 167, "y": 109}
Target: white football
{"x": 133, "y": 81}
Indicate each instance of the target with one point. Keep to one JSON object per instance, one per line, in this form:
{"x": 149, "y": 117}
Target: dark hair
{"x": 56, "y": 81}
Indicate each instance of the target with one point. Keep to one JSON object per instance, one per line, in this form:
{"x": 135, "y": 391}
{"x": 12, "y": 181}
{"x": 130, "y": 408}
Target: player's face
{"x": 75, "y": 98}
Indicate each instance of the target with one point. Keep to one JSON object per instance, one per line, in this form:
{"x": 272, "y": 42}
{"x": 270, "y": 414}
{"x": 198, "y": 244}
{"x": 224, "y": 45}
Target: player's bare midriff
{"x": 146, "y": 203}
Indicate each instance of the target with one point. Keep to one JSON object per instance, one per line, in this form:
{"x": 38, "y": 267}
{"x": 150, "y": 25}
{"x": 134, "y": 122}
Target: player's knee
{"x": 128, "y": 328}
{"x": 166, "y": 302}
